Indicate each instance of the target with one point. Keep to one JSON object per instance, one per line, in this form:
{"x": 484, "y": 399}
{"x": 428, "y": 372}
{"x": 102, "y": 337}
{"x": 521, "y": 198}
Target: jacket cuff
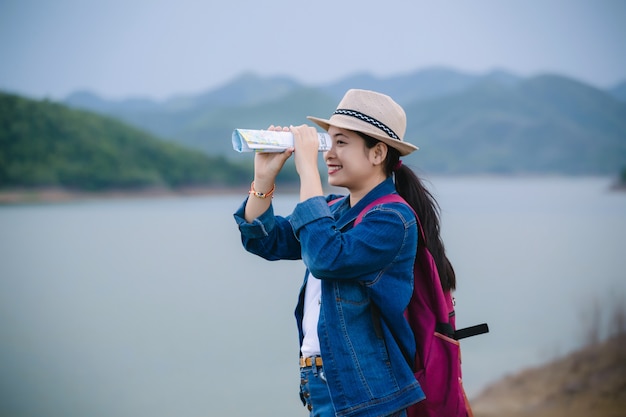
{"x": 259, "y": 227}
{"x": 308, "y": 211}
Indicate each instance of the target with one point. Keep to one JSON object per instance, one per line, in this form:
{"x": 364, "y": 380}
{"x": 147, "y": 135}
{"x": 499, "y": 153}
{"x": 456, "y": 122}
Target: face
{"x": 351, "y": 164}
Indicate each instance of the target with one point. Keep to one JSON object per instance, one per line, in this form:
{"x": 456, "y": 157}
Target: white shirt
{"x": 312, "y": 301}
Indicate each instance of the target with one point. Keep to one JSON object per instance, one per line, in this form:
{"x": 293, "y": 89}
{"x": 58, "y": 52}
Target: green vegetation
{"x": 542, "y": 125}
{"x": 45, "y": 144}
{"x": 496, "y": 124}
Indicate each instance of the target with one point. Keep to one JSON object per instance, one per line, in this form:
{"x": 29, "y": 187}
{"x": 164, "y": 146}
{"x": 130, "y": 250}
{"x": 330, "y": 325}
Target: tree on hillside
{"x": 46, "y": 144}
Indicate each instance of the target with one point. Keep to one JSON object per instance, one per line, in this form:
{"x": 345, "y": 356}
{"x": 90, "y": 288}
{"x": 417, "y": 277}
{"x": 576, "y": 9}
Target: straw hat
{"x": 374, "y": 114}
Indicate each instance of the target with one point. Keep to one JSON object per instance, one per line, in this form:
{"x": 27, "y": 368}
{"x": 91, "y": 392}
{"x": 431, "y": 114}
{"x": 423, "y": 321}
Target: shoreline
{"x": 51, "y": 195}
{"x": 62, "y": 195}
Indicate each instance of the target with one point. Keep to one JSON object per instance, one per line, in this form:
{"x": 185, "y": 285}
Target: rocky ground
{"x": 589, "y": 382}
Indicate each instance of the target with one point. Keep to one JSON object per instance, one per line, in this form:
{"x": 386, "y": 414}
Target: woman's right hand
{"x": 267, "y": 165}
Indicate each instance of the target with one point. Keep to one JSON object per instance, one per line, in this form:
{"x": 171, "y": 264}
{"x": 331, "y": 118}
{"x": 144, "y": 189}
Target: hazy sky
{"x": 119, "y": 48}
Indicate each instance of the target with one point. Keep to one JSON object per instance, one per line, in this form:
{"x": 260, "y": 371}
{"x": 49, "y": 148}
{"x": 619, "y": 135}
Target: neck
{"x": 357, "y": 194}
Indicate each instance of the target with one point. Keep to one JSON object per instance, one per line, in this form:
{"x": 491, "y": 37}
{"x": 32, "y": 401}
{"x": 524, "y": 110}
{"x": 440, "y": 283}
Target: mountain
{"x": 248, "y": 89}
{"x": 619, "y": 91}
{"x": 419, "y": 85}
{"x": 180, "y": 118}
{"x": 211, "y": 128}
{"x": 589, "y": 382}
{"x": 172, "y": 118}
{"x": 45, "y": 144}
{"x": 544, "y": 124}
{"x": 491, "y": 123}
{"x": 90, "y": 101}
{"x": 177, "y": 114}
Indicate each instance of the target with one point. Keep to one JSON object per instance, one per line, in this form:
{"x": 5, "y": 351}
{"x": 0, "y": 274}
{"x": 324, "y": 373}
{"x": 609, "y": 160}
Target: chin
{"x": 339, "y": 184}
{"x": 333, "y": 181}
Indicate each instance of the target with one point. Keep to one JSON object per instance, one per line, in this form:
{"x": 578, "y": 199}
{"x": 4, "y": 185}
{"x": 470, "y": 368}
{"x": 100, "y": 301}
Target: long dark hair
{"x": 411, "y": 188}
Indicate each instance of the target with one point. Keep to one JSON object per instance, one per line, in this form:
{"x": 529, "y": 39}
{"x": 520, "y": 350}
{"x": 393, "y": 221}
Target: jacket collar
{"x": 349, "y": 214}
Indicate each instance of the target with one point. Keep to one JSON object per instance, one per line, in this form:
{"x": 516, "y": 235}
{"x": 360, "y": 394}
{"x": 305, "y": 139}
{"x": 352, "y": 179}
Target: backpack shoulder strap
{"x": 335, "y": 200}
{"x": 390, "y": 198}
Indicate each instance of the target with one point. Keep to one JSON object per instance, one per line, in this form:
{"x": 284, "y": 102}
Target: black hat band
{"x": 368, "y": 119}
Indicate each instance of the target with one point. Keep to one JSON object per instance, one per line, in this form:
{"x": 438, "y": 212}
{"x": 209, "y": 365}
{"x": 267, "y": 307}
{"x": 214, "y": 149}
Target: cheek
{"x": 353, "y": 155}
{"x": 358, "y": 165}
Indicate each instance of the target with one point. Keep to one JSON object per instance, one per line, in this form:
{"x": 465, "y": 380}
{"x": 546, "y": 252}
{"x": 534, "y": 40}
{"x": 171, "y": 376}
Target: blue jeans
{"x": 315, "y": 395}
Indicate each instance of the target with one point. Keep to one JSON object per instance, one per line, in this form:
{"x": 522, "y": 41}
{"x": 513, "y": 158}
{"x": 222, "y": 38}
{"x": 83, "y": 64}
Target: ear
{"x": 378, "y": 153}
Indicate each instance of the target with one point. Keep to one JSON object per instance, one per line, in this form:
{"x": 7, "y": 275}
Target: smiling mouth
{"x": 333, "y": 169}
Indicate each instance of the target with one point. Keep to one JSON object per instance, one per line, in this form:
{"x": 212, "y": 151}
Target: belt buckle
{"x": 310, "y": 361}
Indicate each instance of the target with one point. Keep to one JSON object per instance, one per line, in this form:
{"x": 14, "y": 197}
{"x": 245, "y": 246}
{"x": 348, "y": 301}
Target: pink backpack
{"x": 430, "y": 314}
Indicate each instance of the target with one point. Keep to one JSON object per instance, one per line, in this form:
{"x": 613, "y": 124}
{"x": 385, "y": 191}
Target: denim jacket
{"x": 367, "y": 281}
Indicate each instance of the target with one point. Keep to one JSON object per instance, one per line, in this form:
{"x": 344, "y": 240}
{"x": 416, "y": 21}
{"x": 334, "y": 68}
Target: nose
{"x": 329, "y": 153}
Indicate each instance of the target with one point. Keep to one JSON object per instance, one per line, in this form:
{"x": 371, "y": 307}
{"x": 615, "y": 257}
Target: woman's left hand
{"x": 306, "y": 151}
{"x": 306, "y": 145}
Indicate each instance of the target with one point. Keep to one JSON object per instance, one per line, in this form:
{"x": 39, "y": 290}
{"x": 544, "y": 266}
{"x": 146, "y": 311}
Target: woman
{"x": 354, "y": 339}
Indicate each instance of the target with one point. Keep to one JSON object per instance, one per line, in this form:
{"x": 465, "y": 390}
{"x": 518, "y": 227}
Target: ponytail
{"x": 410, "y": 187}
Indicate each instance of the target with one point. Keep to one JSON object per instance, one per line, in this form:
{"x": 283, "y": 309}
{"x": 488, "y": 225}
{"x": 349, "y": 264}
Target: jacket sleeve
{"x": 383, "y": 236}
{"x": 268, "y": 236}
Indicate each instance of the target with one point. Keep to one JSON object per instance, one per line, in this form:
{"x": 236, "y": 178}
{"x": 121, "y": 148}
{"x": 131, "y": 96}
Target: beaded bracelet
{"x": 255, "y": 193}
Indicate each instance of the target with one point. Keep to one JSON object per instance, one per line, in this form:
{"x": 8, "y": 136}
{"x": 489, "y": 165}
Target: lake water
{"x": 150, "y": 307}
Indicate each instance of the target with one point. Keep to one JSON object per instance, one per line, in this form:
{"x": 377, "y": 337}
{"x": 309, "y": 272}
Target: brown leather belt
{"x": 306, "y": 362}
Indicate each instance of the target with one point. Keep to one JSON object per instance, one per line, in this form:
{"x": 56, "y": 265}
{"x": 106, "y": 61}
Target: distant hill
{"x": 492, "y": 123}
{"x": 45, "y": 144}
{"x": 589, "y": 382}
{"x": 419, "y": 85}
{"x": 545, "y": 124}
{"x": 619, "y": 91}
